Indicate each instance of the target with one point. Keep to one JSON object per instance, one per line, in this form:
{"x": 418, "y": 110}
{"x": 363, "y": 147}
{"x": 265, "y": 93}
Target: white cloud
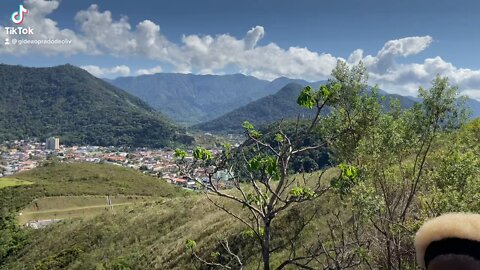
{"x": 355, "y": 57}
{"x": 149, "y": 71}
{"x": 385, "y": 58}
{"x": 99, "y": 34}
{"x": 405, "y": 79}
{"x": 253, "y": 36}
{"x": 107, "y": 72}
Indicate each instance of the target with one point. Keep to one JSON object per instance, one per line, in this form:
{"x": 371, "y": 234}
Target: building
{"x": 53, "y": 143}
{"x": 223, "y": 175}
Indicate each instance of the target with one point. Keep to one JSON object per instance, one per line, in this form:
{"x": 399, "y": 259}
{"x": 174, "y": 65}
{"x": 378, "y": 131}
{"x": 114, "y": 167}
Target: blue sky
{"x": 403, "y": 43}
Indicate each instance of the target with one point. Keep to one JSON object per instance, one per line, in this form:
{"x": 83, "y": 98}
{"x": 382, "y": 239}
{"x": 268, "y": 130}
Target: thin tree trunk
{"x": 266, "y": 246}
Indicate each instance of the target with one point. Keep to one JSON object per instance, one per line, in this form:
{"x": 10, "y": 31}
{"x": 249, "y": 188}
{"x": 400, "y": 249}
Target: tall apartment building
{"x": 53, "y": 143}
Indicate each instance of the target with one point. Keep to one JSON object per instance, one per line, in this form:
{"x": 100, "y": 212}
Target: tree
{"x": 391, "y": 152}
{"x": 455, "y": 180}
{"x": 270, "y": 189}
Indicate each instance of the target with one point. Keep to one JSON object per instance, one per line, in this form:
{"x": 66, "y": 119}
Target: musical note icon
{"x": 19, "y": 16}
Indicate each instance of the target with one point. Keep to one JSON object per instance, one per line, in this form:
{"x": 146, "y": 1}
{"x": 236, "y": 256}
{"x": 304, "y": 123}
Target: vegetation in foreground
{"x": 383, "y": 157}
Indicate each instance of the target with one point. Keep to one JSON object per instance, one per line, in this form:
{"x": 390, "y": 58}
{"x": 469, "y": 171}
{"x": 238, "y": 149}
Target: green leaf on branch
{"x": 325, "y": 92}
{"x": 272, "y": 167}
{"x": 347, "y": 180}
{"x": 256, "y": 134}
{"x": 190, "y": 244}
{"x": 248, "y": 126}
{"x": 227, "y": 149}
{"x": 266, "y": 164}
{"x": 202, "y": 154}
{"x": 303, "y": 193}
{"x": 254, "y": 164}
{"x": 180, "y": 154}
{"x": 250, "y": 129}
{"x": 248, "y": 233}
{"x": 348, "y": 172}
{"x": 254, "y": 199}
{"x": 215, "y": 254}
{"x": 279, "y": 137}
{"x": 307, "y": 98}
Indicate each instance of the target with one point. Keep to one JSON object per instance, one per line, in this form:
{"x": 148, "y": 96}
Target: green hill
{"x": 67, "y": 190}
{"x": 260, "y": 112}
{"x": 272, "y": 108}
{"x": 80, "y": 179}
{"x": 67, "y": 101}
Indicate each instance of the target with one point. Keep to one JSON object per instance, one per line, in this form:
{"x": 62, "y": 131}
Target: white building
{"x": 53, "y": 143}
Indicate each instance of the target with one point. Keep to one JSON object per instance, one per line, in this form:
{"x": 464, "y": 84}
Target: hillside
{"x": 68, "y": 102}
{"x": 474, "y": 106}
{"x": 263, "y": 111}
{"x": 148, "y": 237}
{"x": 281, "y": 105}
{"x": 68, "y": 190}
{"x": 80, "y": 179}
{"x": 189, "y": 99}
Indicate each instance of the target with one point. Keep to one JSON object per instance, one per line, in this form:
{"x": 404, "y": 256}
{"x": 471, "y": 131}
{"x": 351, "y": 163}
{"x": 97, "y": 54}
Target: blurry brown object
{"x": 451, "y": 241}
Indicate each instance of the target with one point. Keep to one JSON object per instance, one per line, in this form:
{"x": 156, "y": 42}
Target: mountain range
{"x": 68, "y": 102}
{"x": 272, "y": 108}
{"x": 191, "y": 99}
{"x": 266, "y": 110}
{"x": 220, "y": 103}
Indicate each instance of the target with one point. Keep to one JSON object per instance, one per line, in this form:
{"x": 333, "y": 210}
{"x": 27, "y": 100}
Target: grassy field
{"x": 64, "y": 207}
{"x": 95, "y": 179}
{"x": 81, "y": 179}
{"x": 12, "y": 182}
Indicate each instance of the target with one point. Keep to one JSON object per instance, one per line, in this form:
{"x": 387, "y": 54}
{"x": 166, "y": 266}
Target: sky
{"x": 404, "y": 44}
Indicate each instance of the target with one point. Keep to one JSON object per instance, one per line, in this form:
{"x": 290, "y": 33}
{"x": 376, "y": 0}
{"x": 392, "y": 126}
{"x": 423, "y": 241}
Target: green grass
{"x": 96, "y": 179}
{"x": 81, "y": 179}
{"x": 12, "y": 182}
